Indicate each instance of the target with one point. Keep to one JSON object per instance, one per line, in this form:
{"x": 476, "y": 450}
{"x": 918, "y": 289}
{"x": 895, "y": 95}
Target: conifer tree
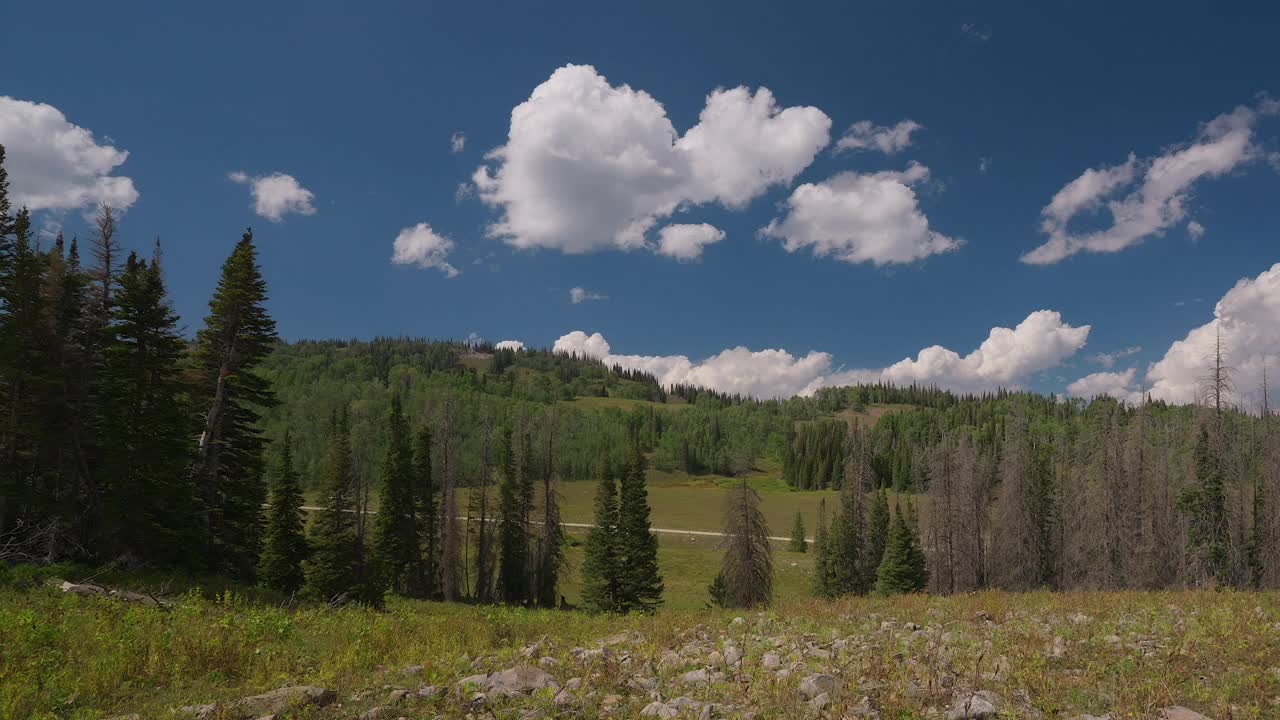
{"x": 550, "y": 559}
{"x": 146, "y": 427}
{"x": 878, "y": 520}
{"x": 601, "y": 571}
{"x": 424, "y": 494}
{"x": 513, "y": 540}
{"x": 284, "y": 543}
{"x": 903, "y": 568}
{"x": 824, "y": 580}
{"x": 237, "y": 336}
{"x": 331, "y": 571}
{"x": 1204, "y": 505}
{"x": 396, "y": 535}
{"x": 798, "y": 542}
{"x": 847, "y": 537}
{"x": 641, "y": 586}
{"x": 747, "y": 564}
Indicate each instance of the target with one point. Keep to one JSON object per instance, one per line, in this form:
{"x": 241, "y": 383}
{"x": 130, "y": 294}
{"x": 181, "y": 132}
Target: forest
{"x": 124, "y": 442}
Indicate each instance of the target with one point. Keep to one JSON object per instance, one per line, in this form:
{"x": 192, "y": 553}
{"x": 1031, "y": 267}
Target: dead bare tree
{"x": 746, "y": 568}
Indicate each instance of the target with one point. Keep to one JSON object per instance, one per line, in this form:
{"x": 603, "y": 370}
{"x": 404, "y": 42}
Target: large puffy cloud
{"x": 1008, "y": 356}
{"x": 590, "y": 166}
{"x": 1160, "y": 200}
{"x": 509, "y": 345}
{"x": 858, "y": 218}
{"x": 1246, "y": 321}
{"x": 1004, "y": 359}
{"x": 421, "y": 246}
{"x": 866, "y": 135}
{"x": 56, "y": 165}
{"x": 276, "y": 195}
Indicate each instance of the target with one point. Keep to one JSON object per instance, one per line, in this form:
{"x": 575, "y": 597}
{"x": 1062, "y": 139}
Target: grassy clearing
{"x": 1126, "y": 654}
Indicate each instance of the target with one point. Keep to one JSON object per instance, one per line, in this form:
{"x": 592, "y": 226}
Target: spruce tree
{"x": 878, "y": 520}
{"x": 798, "y": 542}
{"x": 513, "y": 540}
{"x": 640, "y": 586}
{"x": 601, "y": 571}
{"x": 848, "y": 533}
{"x": 425, "y": 494}
{"x": 284, "y": 544}
{"x": 1204, "y": 505}
{"x": 550, "y": 560}
{"x": 903, "y": 568}
{"x": 238, "y": 335}
{"x": 397, "y": 540}
{"x": 331, "y": 571}
{"x": 146, "y": 428}
{"x": 824, "y": 581}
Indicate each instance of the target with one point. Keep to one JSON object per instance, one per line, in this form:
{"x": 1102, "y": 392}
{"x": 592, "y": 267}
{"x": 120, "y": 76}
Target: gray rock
{"x": 818, "y": 684}
{"x": 820, "y": 701}
{"x": 282, "y": 699}
{"x": 771, "y": 661}
{"x": 659, "y": 710}
{"x": 695, "y": 676}
{"x": 397, "y": 696}
{"x": 198, "y": 711}
{"x": 377, "y": 713}
{"x": 412, "y": 670}
{"x": 519, "y": 679}
{"x": 863, "y": 709}
{"x": 1177, "y": 712}
{"x": 982, "y": 704}
{"x": 732, "y": 655}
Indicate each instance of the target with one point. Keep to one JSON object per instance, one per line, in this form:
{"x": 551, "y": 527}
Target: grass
{"x": 1127, "y": 654}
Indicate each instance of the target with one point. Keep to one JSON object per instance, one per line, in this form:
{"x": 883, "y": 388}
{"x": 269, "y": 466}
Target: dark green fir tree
{"x": 284, "y": 547}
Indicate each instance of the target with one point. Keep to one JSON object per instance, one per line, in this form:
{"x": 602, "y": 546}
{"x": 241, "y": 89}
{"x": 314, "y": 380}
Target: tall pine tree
{"x": 331, "y": 571}
{"x": 237, "y": 336}
{"x": 641, "y": 585}
{"x": 285, "y": 545}
{"x": 397, "y": 538}
{"x": 601, "y": 571}
{"x": 513, "y": 539}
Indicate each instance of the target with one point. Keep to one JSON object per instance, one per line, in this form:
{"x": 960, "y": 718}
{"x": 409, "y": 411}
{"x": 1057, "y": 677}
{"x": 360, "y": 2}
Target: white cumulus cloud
{"x": 457, "y": 142}
{"x": 580, "y": 295}
{"x": 856, "y": 217}
{"x": 276, "y": 195}
{"x": 421, "y": 246}
{"x": 1119, "y": 385}
{"x": 510, "y": 345}
{"x": 56, "y": 165}
{"x": 1004, "y": 359}
{"x": 1108, "y": 360}
{"x": 685, "y": 242}
{"x": 1163, "y": 191}
{"x": 888, "y": 139}
{"x": 589, "y": 166}
{"x": 1246, "y": 321}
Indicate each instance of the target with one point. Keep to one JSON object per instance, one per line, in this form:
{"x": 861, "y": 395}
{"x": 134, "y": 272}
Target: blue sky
{"x": 1014, "y": 102}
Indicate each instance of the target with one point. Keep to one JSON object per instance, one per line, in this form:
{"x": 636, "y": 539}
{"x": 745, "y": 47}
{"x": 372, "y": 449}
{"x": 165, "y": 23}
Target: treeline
{"x": 1023, "y": 492}
{"x": 119, "y": 439}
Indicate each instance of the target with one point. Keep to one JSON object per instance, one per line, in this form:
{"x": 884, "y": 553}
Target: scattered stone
{"x": 376, "y": 713}
{"x": 1080, "y": 619}
{"x": 771, "y": 661}
{"x": 732, "y": 655}
{"x": 1059, "y": 647}
{"x": 982, "y": 704}
{"x": 397, "y": 696}
{"x": 519, "y": 679}
{"x": 282, "y": 699}
{"x": 863, "y": 709}
{"x": 983, "y": 616}
{"x": 412, "y": 670}
{"x": 659, "y": 710}
{"x": 1177, "y": 712}
{"x": 695, "y": 676}
{"x": 428, "y": 691}
{"x": 818, "y": 684}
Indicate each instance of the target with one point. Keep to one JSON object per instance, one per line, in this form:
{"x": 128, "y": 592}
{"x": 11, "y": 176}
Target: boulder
{"x": 982, "y": 704}
{"x": 771, "y": 661}
{"x": 659, "y": 710}
{"x": 519, "y": 679}
{"x": 282, "y": 699}
{"x": 695, "y": 676}
{"x": 818, "y": 684}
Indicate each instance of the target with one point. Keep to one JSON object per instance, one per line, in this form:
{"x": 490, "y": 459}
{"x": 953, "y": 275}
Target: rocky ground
{"x": 1146, "y": 662}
